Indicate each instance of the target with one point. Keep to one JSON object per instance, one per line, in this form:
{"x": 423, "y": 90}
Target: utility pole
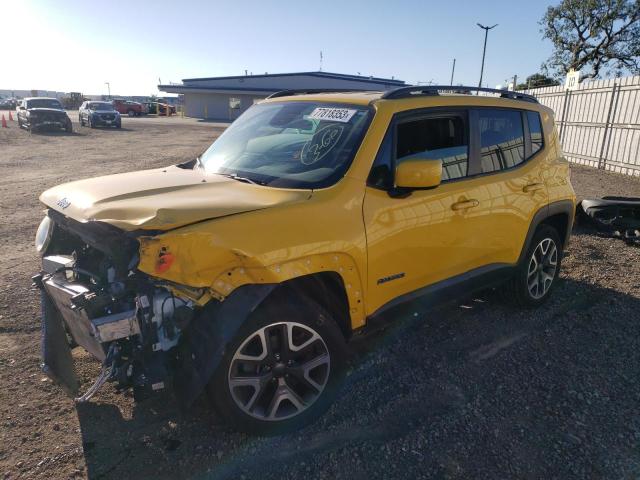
{"x": 484, "y": 50}
{"x": 320, "y": 60}
{"x": 108, "y": 88}
{"x": 453, "y": 69}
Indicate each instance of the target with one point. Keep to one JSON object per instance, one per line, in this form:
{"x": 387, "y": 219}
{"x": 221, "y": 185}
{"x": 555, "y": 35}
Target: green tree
{"x": 593, "y": 36}
{"x": 537, "y": 80}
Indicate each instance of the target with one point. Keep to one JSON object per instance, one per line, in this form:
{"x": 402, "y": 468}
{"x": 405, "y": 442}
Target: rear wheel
{"x": 131, "y": 113}
{"x": 537, "y": 274}
{"x": 281, "y": 371}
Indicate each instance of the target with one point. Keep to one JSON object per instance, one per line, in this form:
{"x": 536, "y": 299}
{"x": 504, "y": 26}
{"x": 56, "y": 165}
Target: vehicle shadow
{"x": 424, "y": 369}
{"x": 53, "y": 133}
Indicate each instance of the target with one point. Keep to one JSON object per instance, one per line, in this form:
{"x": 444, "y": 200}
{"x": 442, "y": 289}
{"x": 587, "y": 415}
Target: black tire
{"x": 118, "y": 125}
{"x": 90, "y": 122}
{"x": 521, "y": 289}
{"x": 274, "y": 318}
{"x": 80, "y": 120}
{"x": 131, "y": 113}
{"x": 68, "y": 127}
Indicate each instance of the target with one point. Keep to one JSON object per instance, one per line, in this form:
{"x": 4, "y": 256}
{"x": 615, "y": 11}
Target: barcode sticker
{"x": 333, "y": 114}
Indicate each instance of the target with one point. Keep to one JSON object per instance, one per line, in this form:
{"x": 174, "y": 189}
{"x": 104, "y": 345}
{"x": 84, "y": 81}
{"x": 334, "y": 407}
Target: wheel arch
{"x": 558, "y": 215}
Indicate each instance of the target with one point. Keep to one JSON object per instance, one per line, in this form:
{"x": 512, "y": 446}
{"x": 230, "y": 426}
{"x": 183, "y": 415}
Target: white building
{"x": 225, "y": 98}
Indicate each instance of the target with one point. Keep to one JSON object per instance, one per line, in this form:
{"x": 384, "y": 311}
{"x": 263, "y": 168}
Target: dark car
{"x": 38, "y": 113}
{"x": 8, "y": 103}
{"x": 96, "y": 114}
{"x": 160, "y": 108}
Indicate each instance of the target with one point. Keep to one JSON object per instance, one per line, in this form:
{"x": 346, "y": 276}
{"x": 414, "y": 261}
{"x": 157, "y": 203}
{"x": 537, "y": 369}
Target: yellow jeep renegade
{"x": 245, "y": 272}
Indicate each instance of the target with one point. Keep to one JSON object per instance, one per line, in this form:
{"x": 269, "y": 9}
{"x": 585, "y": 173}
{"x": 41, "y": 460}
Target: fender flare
{"x": 203, "y": 344}
{"x": 554, "y": 208}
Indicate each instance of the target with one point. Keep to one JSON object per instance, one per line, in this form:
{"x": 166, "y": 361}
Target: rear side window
{"x": 535, "y": 130}
{"x": 443, "y": 137}
{"x": 501, "y": 139}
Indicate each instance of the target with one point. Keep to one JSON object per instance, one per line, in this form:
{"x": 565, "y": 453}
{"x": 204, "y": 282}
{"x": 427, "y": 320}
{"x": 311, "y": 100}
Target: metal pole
{"x": 453, "y": 69}
{"x": 484, "y": 49}
{"x": 606, "y": 126}
{"x": 564, "y": 113}
{"x": 108, "y": 89}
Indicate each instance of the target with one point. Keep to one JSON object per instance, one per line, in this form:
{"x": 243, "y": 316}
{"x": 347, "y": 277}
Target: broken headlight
{"x": 44, "y": 234}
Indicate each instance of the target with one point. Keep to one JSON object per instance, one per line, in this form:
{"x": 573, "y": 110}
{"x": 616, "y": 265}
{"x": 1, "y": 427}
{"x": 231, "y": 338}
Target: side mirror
{"x": 418, "y": 171}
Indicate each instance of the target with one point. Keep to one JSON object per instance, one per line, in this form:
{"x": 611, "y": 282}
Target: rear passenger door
{"x": 510, "y": 177}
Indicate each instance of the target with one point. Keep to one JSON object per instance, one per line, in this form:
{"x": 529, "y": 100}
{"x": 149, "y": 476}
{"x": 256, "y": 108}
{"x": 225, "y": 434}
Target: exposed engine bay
{"x": 94, "y": 297}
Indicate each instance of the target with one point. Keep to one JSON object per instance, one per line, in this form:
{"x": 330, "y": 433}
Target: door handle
{"x": 465, "y": 204}
{"x": 533, "y": 187}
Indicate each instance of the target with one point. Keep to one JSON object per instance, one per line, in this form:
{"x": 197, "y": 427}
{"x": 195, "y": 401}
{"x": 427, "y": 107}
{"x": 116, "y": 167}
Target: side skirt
{"x": 445, "y": 291}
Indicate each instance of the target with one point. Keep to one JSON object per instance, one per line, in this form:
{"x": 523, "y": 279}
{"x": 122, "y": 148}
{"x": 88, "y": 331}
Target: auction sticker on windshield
{"x": 333, "y": 114}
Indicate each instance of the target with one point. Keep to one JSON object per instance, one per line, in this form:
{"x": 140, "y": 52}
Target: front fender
{"x": 202, "y": 345}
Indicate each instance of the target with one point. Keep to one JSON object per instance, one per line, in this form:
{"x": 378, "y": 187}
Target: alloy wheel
{"x": 542, "y": 268}
{"x": 279, "y": 371}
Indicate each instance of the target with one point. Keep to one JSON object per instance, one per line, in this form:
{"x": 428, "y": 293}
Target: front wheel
{"x": 538, "y": 272}
{"x": 131, "y": 113}
{"x": 281, "y": 371}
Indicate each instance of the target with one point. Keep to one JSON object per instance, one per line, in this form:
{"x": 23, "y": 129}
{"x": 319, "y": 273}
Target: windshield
{"x": 100, "y": 106}
{"x": 44, "y": 103}
{"x": 289, "y": 144}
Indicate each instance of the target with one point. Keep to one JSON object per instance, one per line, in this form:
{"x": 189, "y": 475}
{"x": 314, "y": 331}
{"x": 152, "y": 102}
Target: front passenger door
{"x": 430, "y": 235}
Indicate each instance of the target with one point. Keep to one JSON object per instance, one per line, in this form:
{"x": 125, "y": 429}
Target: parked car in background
{"x": 132, "y": 109}
{"x": 8, "y": 103}
{"x": 159, "y": 108}
{"x": 40, "y": 113}
{"x": 96, "y": 114}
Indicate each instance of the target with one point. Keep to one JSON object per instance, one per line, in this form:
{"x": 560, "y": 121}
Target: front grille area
{"x": 108, "y": 116}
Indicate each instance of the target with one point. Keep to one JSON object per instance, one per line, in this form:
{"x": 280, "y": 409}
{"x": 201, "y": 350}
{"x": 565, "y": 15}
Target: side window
{"x": 443, "y": 137}
{"x": 501, "y": 139}
{"x": 535, "y": 130}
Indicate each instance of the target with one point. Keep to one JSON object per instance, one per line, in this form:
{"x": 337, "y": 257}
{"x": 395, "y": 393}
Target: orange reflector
{"x": 165, "y": 260}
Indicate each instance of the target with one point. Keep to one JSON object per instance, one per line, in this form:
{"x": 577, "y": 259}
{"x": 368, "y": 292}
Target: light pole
{"x": 484, "y": 50}
{"x": 453, "y": 69}
{"x": 109, "y": 88}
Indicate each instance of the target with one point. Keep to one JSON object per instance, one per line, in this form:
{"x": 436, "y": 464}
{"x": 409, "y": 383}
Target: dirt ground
{"x": 475, "y": 390}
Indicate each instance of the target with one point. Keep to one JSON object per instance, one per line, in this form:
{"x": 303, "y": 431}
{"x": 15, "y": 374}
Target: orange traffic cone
{"x": 4, "y": 122}
{"x": 10, "y": 117}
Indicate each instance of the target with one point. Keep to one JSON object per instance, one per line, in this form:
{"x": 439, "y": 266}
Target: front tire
{"x": 131, "y": 113}
{"x": 538, "y": 272}
{"x": 282, "y": 370}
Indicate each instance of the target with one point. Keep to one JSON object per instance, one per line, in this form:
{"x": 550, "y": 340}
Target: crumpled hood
{"x": 163, "y": 198}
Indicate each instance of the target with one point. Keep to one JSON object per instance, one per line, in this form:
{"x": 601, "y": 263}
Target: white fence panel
{"x": 599, "y": 122}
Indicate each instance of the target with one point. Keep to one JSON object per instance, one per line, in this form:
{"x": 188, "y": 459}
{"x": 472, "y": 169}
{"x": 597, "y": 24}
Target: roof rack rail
{"x": 406, "y": 92}
{"x": 288, "y": 93}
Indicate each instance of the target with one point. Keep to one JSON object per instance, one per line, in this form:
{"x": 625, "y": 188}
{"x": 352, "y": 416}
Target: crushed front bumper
{"x": 60, "y": 317}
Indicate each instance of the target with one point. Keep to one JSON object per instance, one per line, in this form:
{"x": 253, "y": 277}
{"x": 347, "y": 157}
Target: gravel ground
{"x": 475, "y": 390}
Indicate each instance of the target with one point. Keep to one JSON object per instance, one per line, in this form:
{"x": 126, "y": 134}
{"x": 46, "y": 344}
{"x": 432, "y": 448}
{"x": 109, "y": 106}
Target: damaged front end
{"x": 94, "y": 296}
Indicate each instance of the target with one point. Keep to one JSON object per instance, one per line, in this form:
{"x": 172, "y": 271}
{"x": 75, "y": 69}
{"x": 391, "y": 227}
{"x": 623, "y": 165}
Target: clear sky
{"x": 73, "y": 45}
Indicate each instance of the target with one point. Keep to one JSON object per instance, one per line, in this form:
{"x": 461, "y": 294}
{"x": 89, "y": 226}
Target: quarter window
{"x": 501, "y": 139}
{"x": 535, "y": 130}
{"x": 442, "y": 137}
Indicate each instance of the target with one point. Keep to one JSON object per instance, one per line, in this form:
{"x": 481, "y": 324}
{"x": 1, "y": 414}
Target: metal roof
{"x": 341, "y": 76}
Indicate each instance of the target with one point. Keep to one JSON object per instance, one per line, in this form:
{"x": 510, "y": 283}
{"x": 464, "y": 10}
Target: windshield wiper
{"x": 240, "y": 179}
